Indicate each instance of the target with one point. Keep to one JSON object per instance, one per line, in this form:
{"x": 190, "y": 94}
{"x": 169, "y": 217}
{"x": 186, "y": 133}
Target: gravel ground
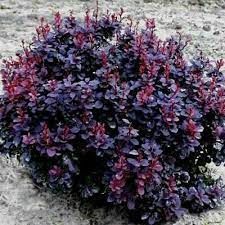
{"x": 21, "y": 203}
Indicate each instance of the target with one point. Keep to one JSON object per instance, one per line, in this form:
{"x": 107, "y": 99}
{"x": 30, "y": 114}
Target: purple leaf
{"x": 130, "y": 204}
{"x": 141, "y": 191}
{"x": 51, "y": 152}
{"x": 133, "y": 162}
{"x": 133, "y": 152}
{"x": 134, "y": 141}
{"x": 144, "y": 162}
{"x": 145, "y": 216}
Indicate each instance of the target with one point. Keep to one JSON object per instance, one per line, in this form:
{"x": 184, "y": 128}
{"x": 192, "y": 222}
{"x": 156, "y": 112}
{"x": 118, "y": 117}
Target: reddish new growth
{"x": 46, "y": 135}
{"x": 28, "y": 139}
{"x": 144, "y": 96}
{"x": 192, "y": 129}
{"x": 99, "y": 133}
{"x": 119, "y": 179}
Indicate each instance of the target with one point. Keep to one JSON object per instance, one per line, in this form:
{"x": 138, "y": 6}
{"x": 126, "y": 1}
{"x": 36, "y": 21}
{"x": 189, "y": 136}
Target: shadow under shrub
{"x": 112, "y": 112}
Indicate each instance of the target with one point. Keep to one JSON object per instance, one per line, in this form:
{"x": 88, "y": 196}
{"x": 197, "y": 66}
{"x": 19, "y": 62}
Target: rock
{"x": 216, "y": 32}
{"x": 178, "y": 27}
{"x": 192, "y": 2}
{"x": 201, "y": 2}
{"x": 196, "y": 2}
{"x": 4, "y": 7}
{"x": 32, "y": 16}
{"x": 206, "y": 28}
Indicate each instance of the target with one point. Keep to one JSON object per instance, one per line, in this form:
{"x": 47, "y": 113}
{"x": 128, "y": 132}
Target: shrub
{"x": 107, "y": 110}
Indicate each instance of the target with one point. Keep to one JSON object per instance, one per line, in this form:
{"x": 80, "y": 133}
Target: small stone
{"x": 197, "y": 46}
{"x": 4, "y": 7}
{"x": 216, "y": 32}
{"x": 178, "y": 27}
{"x": 192, "y": 2}
{"x": 206, "y": 28}
{"x": 147, "y": 1}
{"x": 201, "y": 2}
{"x": 32, "y": 16}
{"x": 196, "y": 2}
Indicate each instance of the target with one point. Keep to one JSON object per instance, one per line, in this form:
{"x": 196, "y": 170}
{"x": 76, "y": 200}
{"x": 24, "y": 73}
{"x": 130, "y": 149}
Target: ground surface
{"x": 21, "y": 203}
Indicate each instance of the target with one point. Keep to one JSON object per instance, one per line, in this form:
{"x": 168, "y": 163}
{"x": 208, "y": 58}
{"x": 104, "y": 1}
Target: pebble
{"x": 216, "y": 32}
{"x": 206, "y": 28}
{"x": 197, "y": 2}
{"x": 4, "y": 7}
{"x": 192, "y": 2}
{"x": 32, "y": 16}
{"x": 178, "y": 27}
{"x": 201, "y": 2}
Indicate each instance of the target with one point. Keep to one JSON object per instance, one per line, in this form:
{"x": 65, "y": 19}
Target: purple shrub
{"x": 106, "y": 110}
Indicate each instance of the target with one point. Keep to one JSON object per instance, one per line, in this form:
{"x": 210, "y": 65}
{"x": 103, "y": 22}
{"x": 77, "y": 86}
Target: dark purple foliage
{"x": 106, "y": 110}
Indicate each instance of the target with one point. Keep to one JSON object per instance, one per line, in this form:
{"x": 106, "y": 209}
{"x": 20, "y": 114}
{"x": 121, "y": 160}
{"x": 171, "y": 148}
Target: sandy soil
{"x": 21, "y": 203}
